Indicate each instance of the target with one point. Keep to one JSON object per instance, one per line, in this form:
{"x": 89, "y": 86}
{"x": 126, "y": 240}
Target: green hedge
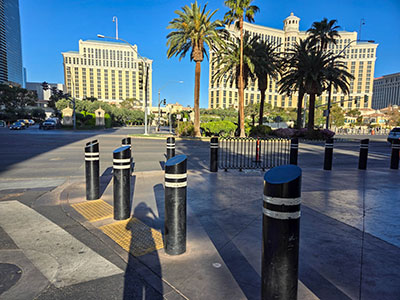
{"x": 220, "y": 128}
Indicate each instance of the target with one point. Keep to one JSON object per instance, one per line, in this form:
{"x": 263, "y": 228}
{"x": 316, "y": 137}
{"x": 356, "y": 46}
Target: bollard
{"x": 91, "y": 142}
{"x": 175, "y": 205}
{"x": 214, "y": 154}
{"x": 170, "y": 147}
{"x": 294, "y": 151}
{"x": 122, "y": 183}
{"x": 258, "y": 151}
{"x": 92, "y": 171}
{"x": 128, "y": 142}
{"x": 394, "y": 160}
{"x": 328, "y": 154}
{"x": 281, "y": 223}
{"x": 362, "y": 161}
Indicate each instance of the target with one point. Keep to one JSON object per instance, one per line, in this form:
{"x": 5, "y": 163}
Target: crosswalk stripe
{"x": 60, "y": 257}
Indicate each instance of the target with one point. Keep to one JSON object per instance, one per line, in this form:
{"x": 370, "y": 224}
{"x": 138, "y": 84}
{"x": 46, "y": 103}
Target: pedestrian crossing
{"x": 59, "y": 256}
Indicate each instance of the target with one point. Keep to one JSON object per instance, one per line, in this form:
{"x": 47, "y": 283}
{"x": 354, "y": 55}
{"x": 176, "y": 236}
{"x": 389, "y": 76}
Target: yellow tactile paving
{"x": 134, "y": 236}
{"x": 94, "y": 210}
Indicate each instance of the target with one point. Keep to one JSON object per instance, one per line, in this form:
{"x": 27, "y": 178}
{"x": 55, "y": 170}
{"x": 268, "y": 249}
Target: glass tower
{"x": 11, "y": 69}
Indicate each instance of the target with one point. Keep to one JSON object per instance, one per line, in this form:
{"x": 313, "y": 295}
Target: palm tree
{"x": 227, "y": 64}
{"x": 192, "y": 29}
{"x": 267, "y": 63}
{"x": 324, "y": 32}
{"x": 238, "y": 10}
{"x": 293, "y": 77}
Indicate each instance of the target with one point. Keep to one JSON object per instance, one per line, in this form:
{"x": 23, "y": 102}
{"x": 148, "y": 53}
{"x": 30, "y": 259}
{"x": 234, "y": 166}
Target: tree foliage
{"x": 15, "y": 98}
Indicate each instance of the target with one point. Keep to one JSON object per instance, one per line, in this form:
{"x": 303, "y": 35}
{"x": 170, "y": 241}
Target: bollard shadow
{"x": 162, "y": 164}
{"x": 158, "y": 190}
{"x": 152, "y": 288}
{"x": 105, "y": 180}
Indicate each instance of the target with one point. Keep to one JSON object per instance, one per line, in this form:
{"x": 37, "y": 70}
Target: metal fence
{"x": 250, "y": 153}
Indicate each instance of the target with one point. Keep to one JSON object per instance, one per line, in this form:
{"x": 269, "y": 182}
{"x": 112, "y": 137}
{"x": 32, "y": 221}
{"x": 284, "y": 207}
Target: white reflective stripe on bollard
{"x": 282, "y": 201}
{"x": 175, "y": 184}
{"x": 91, "y": 153}
{"x": 281, "y": 215}
{"x": 175, "y": 176}
{"x": 122, "y": 160}
{"x": 122, "y": 167}
{"x": 92, "y": 158}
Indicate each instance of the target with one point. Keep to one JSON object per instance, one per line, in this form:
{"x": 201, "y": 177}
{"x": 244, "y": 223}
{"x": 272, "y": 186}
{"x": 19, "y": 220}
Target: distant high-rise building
{"x": 359, "y": 57}
{"x": 11, "y": 69}
{"x": 108, "y": 71}
{"x": 386, "y": 91}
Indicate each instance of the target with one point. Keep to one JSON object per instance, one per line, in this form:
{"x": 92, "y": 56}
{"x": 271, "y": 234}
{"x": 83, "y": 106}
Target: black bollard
{"x": 394, "y": 160}
{"x": 281, "y": 223}
{"x": 362, "y": 161}
{"x": 170, "y": 147}
{"x": 175, "y": 205}
{"x": 214, "y": 154}
{"x": 122, "y": 183}
{"x": 328, "y": 154}
{"x": 294, "y": 151}
{"x": 128, "y": 142}
{"x": 92, "y": 171}
{"x": 91, "y": 142}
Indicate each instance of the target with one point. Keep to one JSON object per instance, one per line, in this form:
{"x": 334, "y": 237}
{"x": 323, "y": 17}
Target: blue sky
{"x": 50, "y": 27}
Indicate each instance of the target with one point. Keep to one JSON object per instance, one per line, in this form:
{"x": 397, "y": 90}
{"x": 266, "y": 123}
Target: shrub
{"x": 284, "y": 132}
{"x": 260, "y": 131}
{"x": 220, "y": 128}
{"x": 185, "y": 129}
{"x": 107, "y": 120}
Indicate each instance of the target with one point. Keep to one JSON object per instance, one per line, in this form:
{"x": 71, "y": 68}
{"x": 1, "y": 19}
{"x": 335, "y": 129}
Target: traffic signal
{"x": 45, "y": 86}
{"x": 164, "y": 102}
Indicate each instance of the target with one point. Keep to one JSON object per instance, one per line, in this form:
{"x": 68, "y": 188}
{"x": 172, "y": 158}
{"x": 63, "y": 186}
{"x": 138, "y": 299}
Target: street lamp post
{"x": 146, "y": 71}
{"x": 330, "y": 83}
{"x": 159, "y": 100}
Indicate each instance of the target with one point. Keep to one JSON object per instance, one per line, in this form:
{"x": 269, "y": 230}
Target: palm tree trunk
{"x": 241, "y": 85}
{"x": 299, "y": 108}
{"x": 197, "y": 100}
{"x": 261, "y": 115}
{"x": 311, "y": 108}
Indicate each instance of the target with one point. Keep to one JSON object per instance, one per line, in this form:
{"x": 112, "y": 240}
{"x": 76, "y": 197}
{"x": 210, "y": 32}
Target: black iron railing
{"x": 252, "y": 153}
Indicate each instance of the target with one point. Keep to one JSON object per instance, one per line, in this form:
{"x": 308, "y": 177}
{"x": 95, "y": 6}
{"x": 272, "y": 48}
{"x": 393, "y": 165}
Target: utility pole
{"x": 115, "y": 20}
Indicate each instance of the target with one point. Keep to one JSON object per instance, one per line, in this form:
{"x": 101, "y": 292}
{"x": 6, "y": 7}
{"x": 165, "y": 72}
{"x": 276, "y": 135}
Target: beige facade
{"x": 359, "y": 58}
{"x": 108, "y": 71}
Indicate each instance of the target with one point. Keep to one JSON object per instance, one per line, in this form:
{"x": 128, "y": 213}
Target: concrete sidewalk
{"x": 349, "y": 240}
{"x": 349, "y": 234}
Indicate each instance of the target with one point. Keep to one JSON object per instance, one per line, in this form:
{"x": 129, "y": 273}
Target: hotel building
{"x": 11, "y": 70}
{"x": 359, "y": 58}
{"x": 386, "y": 91}
{"x": 108, "y": 71}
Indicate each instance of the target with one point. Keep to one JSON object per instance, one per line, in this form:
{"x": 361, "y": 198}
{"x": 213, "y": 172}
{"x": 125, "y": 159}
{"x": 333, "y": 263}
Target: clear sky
{"x": 50, "y": 27}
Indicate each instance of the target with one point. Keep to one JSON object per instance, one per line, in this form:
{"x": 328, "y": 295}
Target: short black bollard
{"x": 362, "y": 161}
{"x": 122, "y": 183}
{"x": 128, "y": 142}
{"x": 170, "y": 147}
{"x": 281, "y": 223}
{"x": 328, "y": 154}
{"x": 394, "y": 160}
{"x": 91, "y": 142}
{"x": 92, "y": 171}
{"x": 294, "y": 151}
{"x": 214, "y": 154}
{"x": 175, "y": 205}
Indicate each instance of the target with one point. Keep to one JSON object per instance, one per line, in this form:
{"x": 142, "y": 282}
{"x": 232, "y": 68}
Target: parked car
{"x": 25, "y": 121}
{"x": 394, "y": 134}
{"x": 31, "y": 122}
{"x": 3, "y": 123}
{"x": 48, "y": 124}
{"x": 17, "y": 126}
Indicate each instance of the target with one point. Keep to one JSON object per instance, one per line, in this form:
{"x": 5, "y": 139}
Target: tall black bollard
{"x": 281, "y": 222}
{"x": 328, "y": 154}
{"x": 92, "y": 171}
{"x": 128, "y": 142}
{"x": 394, "y": 160}
{"x": 214, "y": 154}
{"x": 91, "y": 142}
{"x": 175, "y": 205}
{"x": 170, "y": 147}
{"x": 362, "y": 161}
{"x": 294, "y": 151}
{"x": 122, "y": 183}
